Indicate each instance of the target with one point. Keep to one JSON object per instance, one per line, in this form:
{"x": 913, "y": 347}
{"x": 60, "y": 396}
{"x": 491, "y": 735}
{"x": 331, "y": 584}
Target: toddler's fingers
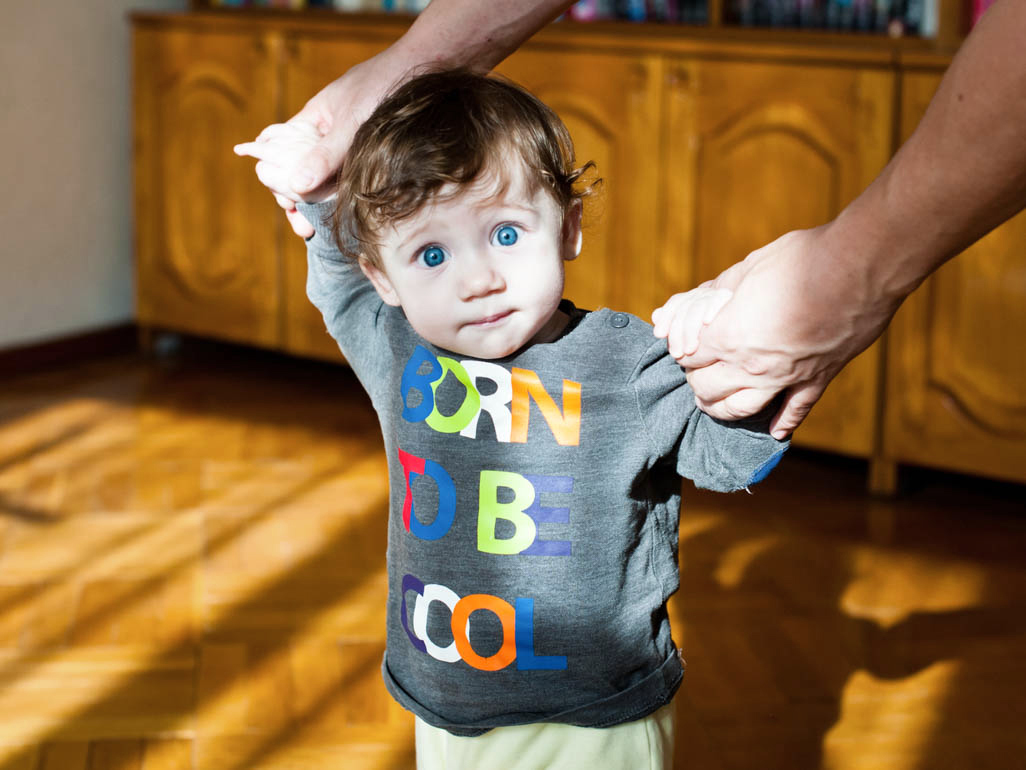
{"x": 657, "y": 316}
{"x": 244, "y": 148}
{"x": 663, "y": 316}
{"x": 660, "y": 321}
{"x": 284, "y": 202}
{"x": 300, "y": 225}
{"x": 262, "y": 150}
{"x": 275, "y": 178}
{"x": 686, "y": 325}
{"x": 675, "y": 335}
{"x": 274, "y": 131}
{"x": 693, "y": 322}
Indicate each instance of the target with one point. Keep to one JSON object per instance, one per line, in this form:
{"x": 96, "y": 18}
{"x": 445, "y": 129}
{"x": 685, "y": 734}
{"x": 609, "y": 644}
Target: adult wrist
{"x": 430, "y": 43}
{"x": 876, "y": 242}
{"x": 857, "y": 266}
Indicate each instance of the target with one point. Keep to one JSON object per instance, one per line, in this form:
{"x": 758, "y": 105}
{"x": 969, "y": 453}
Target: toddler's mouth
{"x": 492, "y": 319}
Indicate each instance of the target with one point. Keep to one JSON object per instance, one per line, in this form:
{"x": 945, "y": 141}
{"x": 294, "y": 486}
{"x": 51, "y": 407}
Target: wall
{"x": 65, "y": 166}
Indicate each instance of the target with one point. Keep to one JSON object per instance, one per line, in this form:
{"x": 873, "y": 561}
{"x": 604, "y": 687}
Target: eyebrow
{"x": 515, "y": 207}
{"x": 417, "y": 236}
{"x": 504, "y": 205}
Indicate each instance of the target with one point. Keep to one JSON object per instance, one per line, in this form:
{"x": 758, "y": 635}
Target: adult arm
{"x": 809, "y": 302}
{"x": 477, "y": 34}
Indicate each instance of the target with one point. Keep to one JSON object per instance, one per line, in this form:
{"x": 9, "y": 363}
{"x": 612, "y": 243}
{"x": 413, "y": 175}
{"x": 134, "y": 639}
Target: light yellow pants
{"x": 645, "y": 744}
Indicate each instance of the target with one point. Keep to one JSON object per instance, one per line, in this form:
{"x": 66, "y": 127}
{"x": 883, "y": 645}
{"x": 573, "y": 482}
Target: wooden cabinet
{"x": 205, "y": 234}
{"x": 709, "y": 147}
{"x": 956, "y": 364}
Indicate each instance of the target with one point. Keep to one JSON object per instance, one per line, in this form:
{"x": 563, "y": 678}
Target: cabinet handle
{"x": 679, "y": 78}
{"x": 269, "y": 44}
{"x": 639, "y": 76}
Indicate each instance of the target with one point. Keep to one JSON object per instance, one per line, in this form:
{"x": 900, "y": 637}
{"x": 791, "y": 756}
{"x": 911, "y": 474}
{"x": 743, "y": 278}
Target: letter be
{"x": 490, "y": 510}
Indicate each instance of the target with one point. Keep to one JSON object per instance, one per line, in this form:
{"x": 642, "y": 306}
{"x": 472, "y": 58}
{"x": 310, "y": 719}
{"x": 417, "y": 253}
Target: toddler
{"x": 535, "y": 449}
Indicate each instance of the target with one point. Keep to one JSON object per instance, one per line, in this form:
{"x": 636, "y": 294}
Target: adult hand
{"x": 800, "y": 310}
{"x": 333, "y": 115}
{"x": 809, "y": 302}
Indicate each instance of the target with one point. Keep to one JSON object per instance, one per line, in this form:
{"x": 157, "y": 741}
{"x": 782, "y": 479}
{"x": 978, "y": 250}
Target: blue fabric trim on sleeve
{"x": 764, "y": 470}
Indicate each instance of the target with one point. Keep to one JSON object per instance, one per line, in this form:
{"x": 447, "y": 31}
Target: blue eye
{"x": 506, "y": 235}
{"x": 432, "y": 256}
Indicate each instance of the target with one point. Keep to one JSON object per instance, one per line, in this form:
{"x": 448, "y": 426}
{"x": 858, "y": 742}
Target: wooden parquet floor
{"x": 192, "y": 576}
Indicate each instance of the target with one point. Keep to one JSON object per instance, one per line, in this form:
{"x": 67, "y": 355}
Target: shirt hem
{"x": 636, "y": 702}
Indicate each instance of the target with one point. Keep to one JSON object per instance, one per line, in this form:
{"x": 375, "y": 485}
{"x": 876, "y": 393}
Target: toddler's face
{"x": 481, "y": 274}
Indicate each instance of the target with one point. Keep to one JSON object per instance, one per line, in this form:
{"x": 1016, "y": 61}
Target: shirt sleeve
{"x": 715, "y": 454}
{"x": 352, "y": 310}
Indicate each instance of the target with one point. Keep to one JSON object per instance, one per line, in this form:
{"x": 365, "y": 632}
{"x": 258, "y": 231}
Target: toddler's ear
{"x": 380, "y": 281}
{"x": 572, "y": 238}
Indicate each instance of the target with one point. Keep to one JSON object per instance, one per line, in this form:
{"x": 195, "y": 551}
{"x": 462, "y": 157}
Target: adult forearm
{"x": 474, "y": 33}
{"x": 962, "y": 172}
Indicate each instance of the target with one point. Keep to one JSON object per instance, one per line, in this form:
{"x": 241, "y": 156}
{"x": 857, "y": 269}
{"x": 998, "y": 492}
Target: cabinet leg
{"x": 883, "y": 477}
{"x": 144, "y": 338}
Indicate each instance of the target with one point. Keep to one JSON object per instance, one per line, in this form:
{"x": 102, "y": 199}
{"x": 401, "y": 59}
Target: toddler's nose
{"x": 480, "y": 278}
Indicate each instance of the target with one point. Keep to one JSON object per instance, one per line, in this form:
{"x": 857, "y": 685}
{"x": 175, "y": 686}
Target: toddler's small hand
{"x": 683, "y": 316}
{"x": 278, "y": 149}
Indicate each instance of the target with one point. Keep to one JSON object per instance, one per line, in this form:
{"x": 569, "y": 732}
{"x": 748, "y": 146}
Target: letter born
{"x": 509, "y": 406}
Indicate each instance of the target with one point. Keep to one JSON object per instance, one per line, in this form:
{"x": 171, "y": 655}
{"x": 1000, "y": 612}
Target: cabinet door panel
{"x": 772, "y": 148}
{"x": 311, "y": 63}
{"x": 956, "y": 389}
{"x": 206, "y": 242}
{"x": 611, "y": 106}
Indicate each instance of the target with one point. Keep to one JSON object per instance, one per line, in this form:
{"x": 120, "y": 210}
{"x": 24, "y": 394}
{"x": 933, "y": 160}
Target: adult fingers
{"x": 797, "y": 402}
{"x": 716, "y": 382}
{"x": 715, "y": 300}
{"x": 703, "y": 356}
{"x": 740, "y": 404}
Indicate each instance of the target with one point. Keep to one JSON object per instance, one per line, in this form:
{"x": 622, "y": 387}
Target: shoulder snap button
{"x": 619, "y": 320}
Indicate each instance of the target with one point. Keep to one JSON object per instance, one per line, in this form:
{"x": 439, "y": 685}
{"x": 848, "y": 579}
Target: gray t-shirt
{"x": 534, "y": 511}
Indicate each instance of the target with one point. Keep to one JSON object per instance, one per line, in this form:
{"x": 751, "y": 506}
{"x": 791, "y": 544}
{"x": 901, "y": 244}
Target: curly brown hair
{"x": 441, "y": 128}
